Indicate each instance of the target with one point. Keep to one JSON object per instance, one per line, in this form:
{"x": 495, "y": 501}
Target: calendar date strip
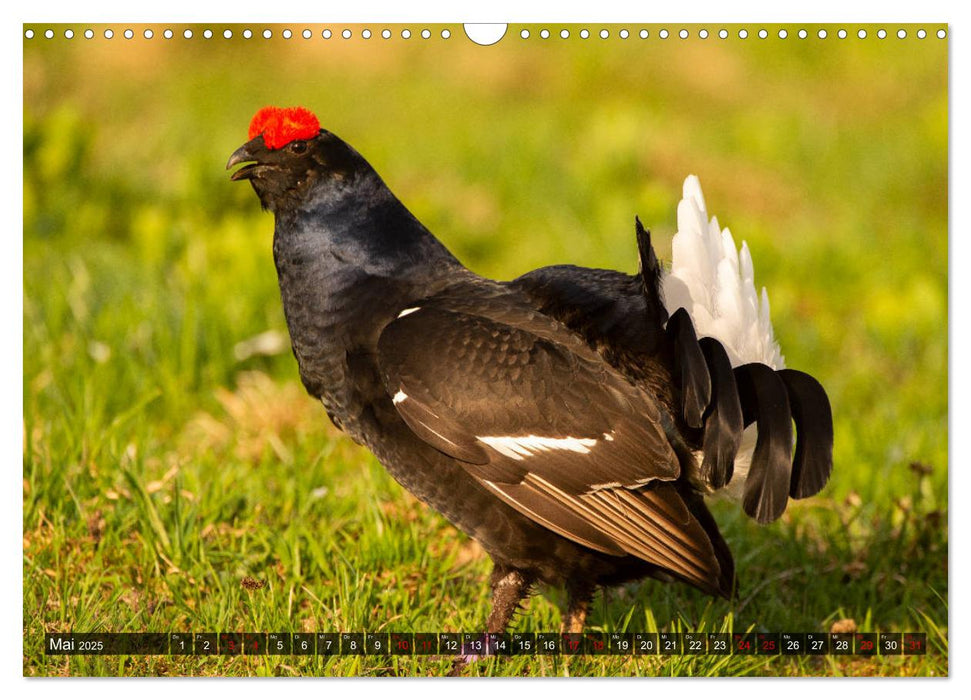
{"x": 481, "y": 644}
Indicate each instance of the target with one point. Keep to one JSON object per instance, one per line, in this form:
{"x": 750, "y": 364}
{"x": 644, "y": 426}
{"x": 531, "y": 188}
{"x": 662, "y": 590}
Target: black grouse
{"x": 563, "y": 419}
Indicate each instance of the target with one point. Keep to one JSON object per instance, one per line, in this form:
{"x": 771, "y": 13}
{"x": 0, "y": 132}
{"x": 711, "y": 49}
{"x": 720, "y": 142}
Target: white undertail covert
{"x": 715, "y": 283}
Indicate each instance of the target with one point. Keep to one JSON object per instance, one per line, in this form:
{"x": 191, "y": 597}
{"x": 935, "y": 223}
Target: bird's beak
{"x": 245, "y": 153}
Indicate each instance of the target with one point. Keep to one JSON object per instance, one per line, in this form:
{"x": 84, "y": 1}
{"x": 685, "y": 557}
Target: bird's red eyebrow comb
{"x": 281, "y": 125}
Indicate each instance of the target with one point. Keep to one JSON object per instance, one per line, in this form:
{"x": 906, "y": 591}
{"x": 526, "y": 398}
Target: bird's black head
{"x": 289, "y": 159}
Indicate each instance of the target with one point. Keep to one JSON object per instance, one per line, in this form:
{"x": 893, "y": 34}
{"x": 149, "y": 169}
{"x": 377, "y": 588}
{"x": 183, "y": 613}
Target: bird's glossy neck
{"x": 360, "y": 225}
{"x": 347, "y": 265}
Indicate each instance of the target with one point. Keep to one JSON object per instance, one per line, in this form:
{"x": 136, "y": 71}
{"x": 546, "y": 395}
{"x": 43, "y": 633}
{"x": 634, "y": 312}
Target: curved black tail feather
{"x": 724, "y": 422}
{"x": 811, "y": 411}
{"x": 764, "y": 400}
{"x": 690, "y": 367}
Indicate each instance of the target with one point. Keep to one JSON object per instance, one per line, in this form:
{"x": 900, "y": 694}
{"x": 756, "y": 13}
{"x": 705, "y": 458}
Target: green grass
{"x": 161, "y": 470}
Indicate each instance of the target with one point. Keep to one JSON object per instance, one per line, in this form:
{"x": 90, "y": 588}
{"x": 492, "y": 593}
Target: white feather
{"x": 715, "y": 283}
{"x": 519, "y": 446}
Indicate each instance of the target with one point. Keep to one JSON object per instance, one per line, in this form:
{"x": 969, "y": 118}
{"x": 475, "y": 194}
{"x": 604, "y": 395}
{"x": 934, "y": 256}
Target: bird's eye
{"x": 298, "y": 147}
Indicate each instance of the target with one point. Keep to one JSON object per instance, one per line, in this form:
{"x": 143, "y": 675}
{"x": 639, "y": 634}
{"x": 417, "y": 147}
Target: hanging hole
{"x": 485, "y": 34}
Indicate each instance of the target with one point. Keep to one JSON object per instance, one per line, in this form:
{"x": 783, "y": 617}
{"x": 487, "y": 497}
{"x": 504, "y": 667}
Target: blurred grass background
{"x": 169, "y": 463}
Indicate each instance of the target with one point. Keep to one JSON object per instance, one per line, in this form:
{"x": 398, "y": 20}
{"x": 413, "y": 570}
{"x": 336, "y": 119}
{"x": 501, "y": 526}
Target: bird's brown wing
{"x": 546, "y": 425}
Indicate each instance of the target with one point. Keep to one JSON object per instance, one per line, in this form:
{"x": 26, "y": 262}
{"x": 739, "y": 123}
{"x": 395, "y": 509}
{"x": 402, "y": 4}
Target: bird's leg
{"x": 577, "y": 607}
{"x": 509, "y": 587}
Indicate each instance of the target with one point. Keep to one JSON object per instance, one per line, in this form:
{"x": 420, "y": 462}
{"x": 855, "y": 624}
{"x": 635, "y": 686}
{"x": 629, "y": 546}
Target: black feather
{"x": 813, "y": 416}
{"x": 690, "y": 367}
{"x": 724, "y": 423}
{"x": 607, "y": 308}
{"x": 650, "y": 276}
{"x": 764, "y": 399}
